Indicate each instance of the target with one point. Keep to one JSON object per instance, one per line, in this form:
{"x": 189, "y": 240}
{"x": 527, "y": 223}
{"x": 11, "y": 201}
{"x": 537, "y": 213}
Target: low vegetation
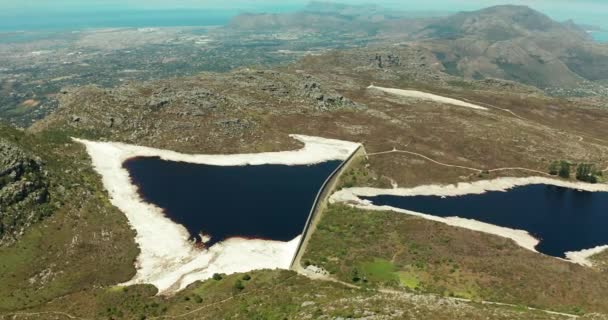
{"x": 560, "y": 168}
{"x": 600, "y": 261}
{"x": 71, "y": 257}
{"x": 82, "y": 243}
{"x": 359, "y": 173}
{"x": 391, "y": 250}
{"x": 585, "y": 172}
{"x": 24, "y": 194}
{"x": 269, "y": 295}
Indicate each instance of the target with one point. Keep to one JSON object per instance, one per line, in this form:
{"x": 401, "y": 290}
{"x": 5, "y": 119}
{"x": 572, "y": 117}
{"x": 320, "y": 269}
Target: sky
{"x": 583, "y": 11}
{"x": 577, "y": 5}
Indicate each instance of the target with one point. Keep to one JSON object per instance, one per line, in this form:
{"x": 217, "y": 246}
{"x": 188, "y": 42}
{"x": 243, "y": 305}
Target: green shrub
{"x": 355, "y": 275}
{"x": 564, "y": 169}
{"x": 586, "y": 173}
{"x": 238, "y": 285}
{"x": 554, "y": 168}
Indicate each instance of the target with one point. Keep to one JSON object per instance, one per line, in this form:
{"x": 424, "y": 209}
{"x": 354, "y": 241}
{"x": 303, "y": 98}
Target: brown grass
{"x": 449, "y": 261}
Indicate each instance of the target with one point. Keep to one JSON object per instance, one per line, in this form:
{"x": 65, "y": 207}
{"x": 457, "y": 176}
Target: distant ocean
{"x": 78, "y": 20}
{"x": 600, "y": 36}
{"x": 113, "y": 19}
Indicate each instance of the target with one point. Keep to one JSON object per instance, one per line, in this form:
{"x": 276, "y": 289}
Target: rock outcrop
{"x": 23, "y": 192}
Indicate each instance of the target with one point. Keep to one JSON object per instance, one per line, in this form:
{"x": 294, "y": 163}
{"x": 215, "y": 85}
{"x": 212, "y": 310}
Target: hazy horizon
{"x": 32, "y": 14}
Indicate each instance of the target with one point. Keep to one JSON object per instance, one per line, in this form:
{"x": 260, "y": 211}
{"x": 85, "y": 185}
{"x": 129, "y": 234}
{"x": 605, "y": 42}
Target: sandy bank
{"x": 427, "y": 96}
{"x": 351, "y": 196}
{"x": 316, "y": 150}
{"x": 583, "y": 257}
{"x": 167, "y": 259}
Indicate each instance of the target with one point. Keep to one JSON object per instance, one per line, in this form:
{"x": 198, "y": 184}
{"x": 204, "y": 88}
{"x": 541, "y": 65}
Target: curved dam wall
{"x": 320, "y": 204}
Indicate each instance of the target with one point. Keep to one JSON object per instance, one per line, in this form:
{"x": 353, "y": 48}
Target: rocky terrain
{"x": 217, "y": 113}
{"x": 516, "y": 43}
{"x": 507, "y": 42}
{"x": 511, "y": 43}
{"x": 64, "y": 247}
{"x": 23, "y": 192}
{"x": 328, "y": 94}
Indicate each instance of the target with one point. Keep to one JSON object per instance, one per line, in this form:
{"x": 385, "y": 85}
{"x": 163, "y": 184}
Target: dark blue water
{"x": 266, "y": 202}
{"x": 562, "y": 219}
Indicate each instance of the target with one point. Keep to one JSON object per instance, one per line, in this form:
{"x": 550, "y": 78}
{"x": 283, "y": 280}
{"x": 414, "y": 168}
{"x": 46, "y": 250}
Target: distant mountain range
{"x": 326, "y": 16}
{"x": 515, "y": 43}
{"x": 508, "y": 42}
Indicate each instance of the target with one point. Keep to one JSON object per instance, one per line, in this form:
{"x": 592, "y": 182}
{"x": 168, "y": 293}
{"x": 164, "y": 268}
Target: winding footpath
{"x": 402, "y": 293}
{"x": 300, "y": 271}
{"x": 18, "y": 315}
{"x": 296, "y": 265}
{"x": 464, "y": 102}
{"x": 458, "y": 166}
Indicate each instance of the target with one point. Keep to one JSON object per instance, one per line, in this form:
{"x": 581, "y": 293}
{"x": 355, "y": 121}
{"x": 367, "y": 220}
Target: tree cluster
{"x": 584, "y": 171}
{"x": 560, "y": 168}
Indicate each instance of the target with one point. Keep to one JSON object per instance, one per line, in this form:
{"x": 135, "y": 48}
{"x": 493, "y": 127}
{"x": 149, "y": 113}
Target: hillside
{"x": 66, "y": 251}
{"x": 497, "y": 23}
{"x": 515, "y": 43}
{"x": 327, "y": 95}
{"x": 323, "y": 95}
{"x": 508, "y": 42}
{"x": 325, "y": 17}
{"x": 23, "y": 191}
{"x": 61, "y": 235}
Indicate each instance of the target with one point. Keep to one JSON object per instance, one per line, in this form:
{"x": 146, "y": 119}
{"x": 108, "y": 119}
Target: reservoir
{"x": 563, "y": 219}
{"x": 270, "y": 202}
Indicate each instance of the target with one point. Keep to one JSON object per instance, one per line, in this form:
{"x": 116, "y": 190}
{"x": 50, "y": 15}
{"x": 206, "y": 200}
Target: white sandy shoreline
{"x": 168, "y": 258}
{"x": 583, "y": 257}
{"x": 428, "y": 96}
{"x": 315, "y": 150}
{"x": 351, "y": 196}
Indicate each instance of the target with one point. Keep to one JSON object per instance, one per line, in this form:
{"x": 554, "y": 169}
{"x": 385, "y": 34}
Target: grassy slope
{"x": 86, "y": 242}
{"x": 75, "y": 257}
{"x": 600, "y": 261}
{"x": 271, "y": 295}
{"x": 384, "y": 249}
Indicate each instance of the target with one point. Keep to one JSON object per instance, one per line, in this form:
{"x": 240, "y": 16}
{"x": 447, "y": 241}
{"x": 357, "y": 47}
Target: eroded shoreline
{"x": 168, "y": 259}
{"x": 351, "y": 196}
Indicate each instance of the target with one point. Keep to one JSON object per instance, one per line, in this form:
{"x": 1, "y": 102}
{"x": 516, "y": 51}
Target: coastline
{"x": 177, "y": 263}
{"x": 351, "y": 196}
